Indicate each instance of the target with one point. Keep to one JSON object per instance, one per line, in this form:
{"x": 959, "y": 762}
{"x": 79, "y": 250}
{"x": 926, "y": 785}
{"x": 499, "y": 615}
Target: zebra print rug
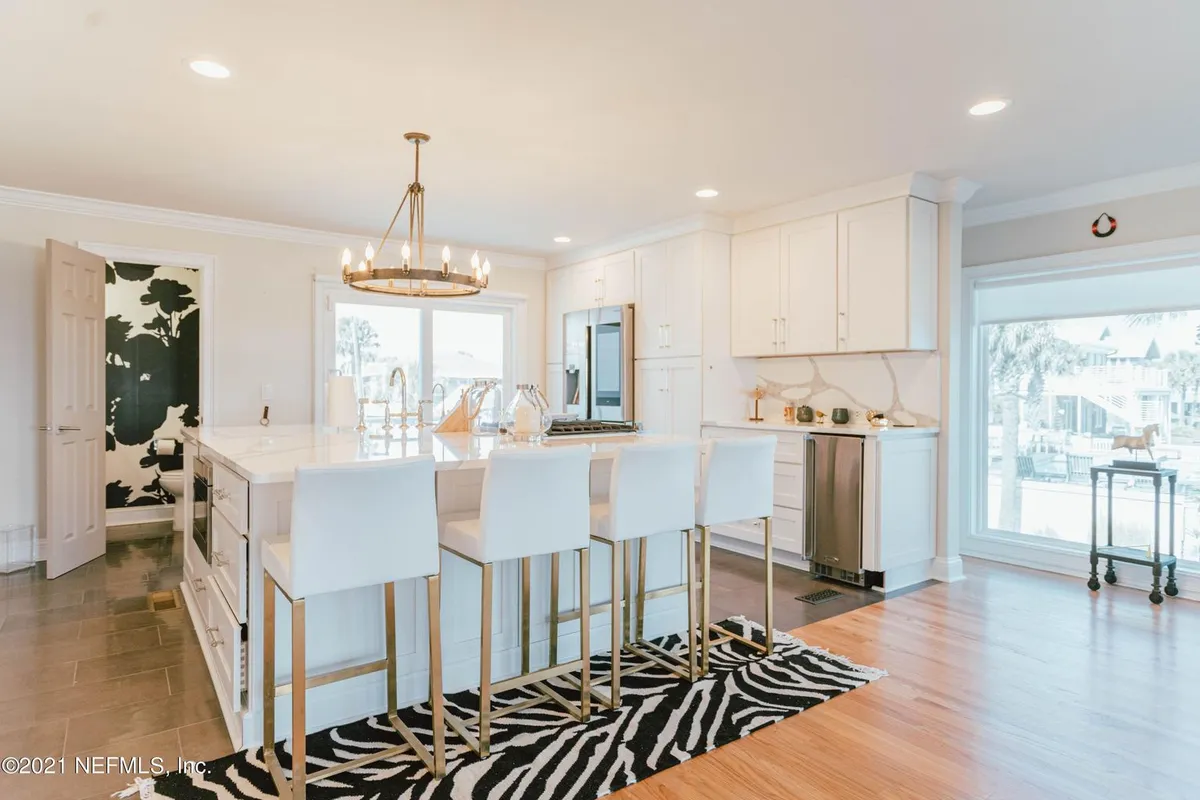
{"x": 541, "y": 752}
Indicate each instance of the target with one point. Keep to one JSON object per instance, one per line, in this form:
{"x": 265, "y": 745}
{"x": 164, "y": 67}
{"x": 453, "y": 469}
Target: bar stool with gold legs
{"x": 534, "y": 503}
{"x": 737, "y": 484}
{"x": 651, "y": 491}
{"x": 353, "y": 526}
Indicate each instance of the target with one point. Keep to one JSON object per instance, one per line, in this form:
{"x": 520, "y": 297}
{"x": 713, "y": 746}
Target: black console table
{"x": 1133, "y": 555}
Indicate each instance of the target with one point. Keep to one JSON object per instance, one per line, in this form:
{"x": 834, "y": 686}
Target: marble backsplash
{"x": 905, "y": 386}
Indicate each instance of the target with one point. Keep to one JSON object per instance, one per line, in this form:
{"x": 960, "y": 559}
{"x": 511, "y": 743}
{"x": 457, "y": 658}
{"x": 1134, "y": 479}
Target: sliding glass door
{"x": 431, "y": 342}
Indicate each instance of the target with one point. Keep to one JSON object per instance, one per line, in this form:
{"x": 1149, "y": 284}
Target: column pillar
{"x": 954, "y": 479}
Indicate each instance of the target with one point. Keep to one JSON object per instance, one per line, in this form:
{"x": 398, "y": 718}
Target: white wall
{"x": 1166, "y": 215}
{"x": 263, "y": 326}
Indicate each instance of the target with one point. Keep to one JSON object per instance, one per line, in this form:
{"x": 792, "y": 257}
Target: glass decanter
{"x": 527, "y": 417}
{"x": 483, "y": 407}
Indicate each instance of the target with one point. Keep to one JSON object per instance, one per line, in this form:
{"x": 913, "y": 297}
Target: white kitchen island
{"x": 253, "y": 469}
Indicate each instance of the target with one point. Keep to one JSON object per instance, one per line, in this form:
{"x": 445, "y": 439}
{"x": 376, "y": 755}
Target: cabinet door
{"x": 754, "y": 291}
{"x": 618, "y": 279}
{"x": 873, "y": 278}
{"x": 653, "y": 397}
{"x": 650, "y": 307}
{"x": 554, "y": 387}
{"x": 585, "y": 286}
{"x": 684, "y": 332}
{"x": 685, "y": 399}
{"x": 557, "y": 287}
{"x": 808, "y": 286}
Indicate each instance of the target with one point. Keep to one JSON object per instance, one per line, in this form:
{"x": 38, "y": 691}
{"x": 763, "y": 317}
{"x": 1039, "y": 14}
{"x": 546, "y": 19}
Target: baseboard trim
{"x": 947, "y": 570}
{"x": 135, "y": 515}
{"x": 784, "y": 557}
{"x": 1069, "y": 561}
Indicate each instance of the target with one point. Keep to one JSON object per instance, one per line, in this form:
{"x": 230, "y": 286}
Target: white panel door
{"x": 684, "y": 296}
{"x": 685, "y": 392}
{"x": 754, "y": 291}
{"x": 650, "y": 314}
{"x": 653, "y": 397}
{"x": 75, "y": 390}
{"x": 808, "y": 286}
{"x": 618, "y": 279}
{"x": 873, "y": 277}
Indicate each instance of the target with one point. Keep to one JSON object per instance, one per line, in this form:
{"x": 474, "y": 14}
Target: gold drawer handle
{"x": 213, "y": 639}
{"x": 219, "y": 559}
{"x": 198, "y": 584}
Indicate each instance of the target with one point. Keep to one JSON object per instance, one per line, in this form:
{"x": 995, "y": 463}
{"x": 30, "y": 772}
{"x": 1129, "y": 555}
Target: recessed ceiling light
{"x": 707, "y": 193}
{"x": 209, "y": 69}
{"x": 988, "y": 107}
{"x": 562, "y": 239}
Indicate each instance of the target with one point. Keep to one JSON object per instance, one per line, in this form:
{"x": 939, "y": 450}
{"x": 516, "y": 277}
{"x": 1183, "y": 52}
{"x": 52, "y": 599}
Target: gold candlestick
{"x": 759, "y": 394}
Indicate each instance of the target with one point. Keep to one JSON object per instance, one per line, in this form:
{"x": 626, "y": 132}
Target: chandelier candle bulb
{"x": 346, "y": 258}
{"x": 370, "y": 253}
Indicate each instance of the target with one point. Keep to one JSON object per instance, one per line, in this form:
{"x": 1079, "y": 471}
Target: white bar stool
{"x": 737, "y": 483}
{"x": 353, "y": 525}
{"x": 534, "y": 503}
{"x": 652, "y": 490}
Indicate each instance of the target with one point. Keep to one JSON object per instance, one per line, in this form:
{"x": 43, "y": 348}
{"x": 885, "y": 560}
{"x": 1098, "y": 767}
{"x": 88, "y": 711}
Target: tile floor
{"x": 87, "y": 669}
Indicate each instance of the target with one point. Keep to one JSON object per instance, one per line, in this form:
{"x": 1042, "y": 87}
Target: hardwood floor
{"x": 1011, "y": 684}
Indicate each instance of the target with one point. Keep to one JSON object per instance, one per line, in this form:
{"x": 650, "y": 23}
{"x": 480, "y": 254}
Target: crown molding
{"x": 230, "y": 226}
{"x": 680, "y": 227}
{"x": 957, "y": 190}
{"x": 1163, "y": 180}
{"x": 914, "y": 184}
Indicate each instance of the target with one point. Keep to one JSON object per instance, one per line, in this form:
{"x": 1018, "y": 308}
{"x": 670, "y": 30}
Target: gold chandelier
{"x": 414, "y": 279}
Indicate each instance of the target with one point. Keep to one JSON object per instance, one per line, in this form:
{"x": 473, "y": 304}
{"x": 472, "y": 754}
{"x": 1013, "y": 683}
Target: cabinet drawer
{"x": 787, "y": 530}
{"x": 195, "y": 573}
{"x": 789, "y": 485}
{"x": 790, "y": 449}
{"x": 223, "y": 634}
{"x": 231, "y": 496}
{"x": 229, "y": 564}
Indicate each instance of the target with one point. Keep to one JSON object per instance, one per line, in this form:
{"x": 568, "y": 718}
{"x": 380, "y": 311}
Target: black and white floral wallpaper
{"x": 152, "y": 372}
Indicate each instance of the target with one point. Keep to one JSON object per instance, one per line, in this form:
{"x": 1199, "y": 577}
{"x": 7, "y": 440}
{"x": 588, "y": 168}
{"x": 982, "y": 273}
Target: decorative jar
{"x": 527, "y": 417}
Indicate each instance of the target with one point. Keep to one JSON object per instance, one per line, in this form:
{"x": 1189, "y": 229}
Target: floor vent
{"x": 163, "y": 601}
{"x": 822, "y": 596}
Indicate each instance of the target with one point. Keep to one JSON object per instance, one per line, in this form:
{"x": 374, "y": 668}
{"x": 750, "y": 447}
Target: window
{"x": 433, "y": 341}
{"x": 1058, "y": 393}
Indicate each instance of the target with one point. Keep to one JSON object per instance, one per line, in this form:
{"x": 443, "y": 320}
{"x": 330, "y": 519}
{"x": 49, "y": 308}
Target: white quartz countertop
{"x": 271, "y": 454}
{"x": 779, "y": 426}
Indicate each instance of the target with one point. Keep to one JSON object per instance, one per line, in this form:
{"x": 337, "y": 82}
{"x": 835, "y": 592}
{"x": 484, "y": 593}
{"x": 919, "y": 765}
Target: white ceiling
{"x": 591, "y": 120}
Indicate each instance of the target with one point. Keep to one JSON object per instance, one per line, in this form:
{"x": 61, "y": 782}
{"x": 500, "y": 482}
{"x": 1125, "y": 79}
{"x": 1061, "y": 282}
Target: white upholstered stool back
{"x": 535, "y": 502}
{"x": 362, "y": 524}
{"x": 652, "y": 490}
{"x": 737, "y": 480}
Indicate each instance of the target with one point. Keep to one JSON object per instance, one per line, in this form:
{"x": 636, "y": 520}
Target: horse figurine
{"x": 1132, "y": 443}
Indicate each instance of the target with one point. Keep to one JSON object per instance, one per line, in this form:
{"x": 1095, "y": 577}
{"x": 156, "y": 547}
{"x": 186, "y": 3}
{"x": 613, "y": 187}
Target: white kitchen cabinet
{"x": 668, "y": 304}
{"x": 754, "y": 293}
{"x": 861, "y": 280}
{"x": 618, "y": 279}
{"x": 557, "y": 287}
{"x": 607, "y": 281}
{"x": 554, "y": 387}
{"x": 668, "y": 396}
{"x": 808, "y": 286}
{"x": 887, "y": 276}
{"x": 789, "y": 484}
